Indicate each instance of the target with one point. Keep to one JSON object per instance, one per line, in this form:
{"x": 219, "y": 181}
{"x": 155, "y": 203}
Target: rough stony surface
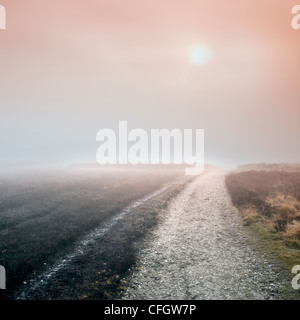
{"x": 201, "y": 251}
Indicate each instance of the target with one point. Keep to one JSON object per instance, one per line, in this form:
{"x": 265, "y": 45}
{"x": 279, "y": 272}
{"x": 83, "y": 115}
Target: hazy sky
{"x": 72, "y": 67}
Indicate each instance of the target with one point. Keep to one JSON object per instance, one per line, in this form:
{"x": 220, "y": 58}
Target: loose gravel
{"x": 201, "y": 251}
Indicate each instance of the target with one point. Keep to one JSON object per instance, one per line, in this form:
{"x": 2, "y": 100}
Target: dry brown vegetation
{"x": 270, "y": 201}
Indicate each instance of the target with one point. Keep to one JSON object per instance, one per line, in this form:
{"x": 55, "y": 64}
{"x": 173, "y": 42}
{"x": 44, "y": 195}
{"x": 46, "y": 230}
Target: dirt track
{"x": 186, "y": 246}
{"x": 201, "y": 251}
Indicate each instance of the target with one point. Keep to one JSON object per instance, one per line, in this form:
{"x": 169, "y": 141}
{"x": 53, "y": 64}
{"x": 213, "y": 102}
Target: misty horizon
{"x": 68, "y": 71}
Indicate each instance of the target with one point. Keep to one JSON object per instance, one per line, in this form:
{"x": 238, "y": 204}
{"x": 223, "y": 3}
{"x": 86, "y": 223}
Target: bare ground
{"x": 183, "y": 242}
{"x": 94, "y": 267}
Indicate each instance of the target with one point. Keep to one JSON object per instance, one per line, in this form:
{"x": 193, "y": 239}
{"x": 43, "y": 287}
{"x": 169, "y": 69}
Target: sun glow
{"x": 200, "y": 55}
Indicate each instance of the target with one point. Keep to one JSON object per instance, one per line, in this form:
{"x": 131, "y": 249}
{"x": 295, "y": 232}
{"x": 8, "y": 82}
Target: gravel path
{"x": 201, "y": 251}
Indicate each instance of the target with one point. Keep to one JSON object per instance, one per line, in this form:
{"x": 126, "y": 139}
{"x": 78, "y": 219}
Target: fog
{"x": 70, "y": 69}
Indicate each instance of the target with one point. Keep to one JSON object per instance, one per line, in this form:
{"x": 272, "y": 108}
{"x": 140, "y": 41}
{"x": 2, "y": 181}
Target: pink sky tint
{"x": 70, "y": 68}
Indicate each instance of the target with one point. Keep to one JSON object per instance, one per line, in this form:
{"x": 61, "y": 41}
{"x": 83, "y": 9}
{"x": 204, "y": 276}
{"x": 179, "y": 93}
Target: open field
{"x": 286, "y": 167}
{"x": 149, "y": 232}
{"x": 43, "y": 215}
{"x": 269, "y": 202}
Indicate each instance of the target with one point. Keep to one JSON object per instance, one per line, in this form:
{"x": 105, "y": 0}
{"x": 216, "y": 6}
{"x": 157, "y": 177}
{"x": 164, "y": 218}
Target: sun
{"x": 200, "y": 55}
